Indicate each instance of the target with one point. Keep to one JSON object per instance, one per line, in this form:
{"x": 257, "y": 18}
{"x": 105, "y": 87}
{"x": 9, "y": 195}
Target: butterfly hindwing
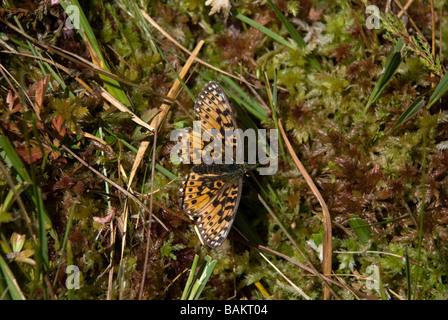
{"x": 217, "y": 216}
{"x": 211, "y": 197}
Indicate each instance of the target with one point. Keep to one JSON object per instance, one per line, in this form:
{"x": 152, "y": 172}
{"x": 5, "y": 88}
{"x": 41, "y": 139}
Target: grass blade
{"x": 292, "y": 31}
{"x": 86, "y": 32}
{"x": 64, "y": 242}
{"x": 408, "y": 273}
{"x": 439, "y": 91}
{"x": 274, "y": 109}
{"x": 361, "y": 228}
{"x": 187, "y": 288}
{"x": 195, "y": 284}
{"x": 410, "y": 111}
{"x": 178, "y": 77}
{"x": 392, "y": 63}
{"x": 295, "y": 35}
{"x": 13, "y": 286}
{"x": 203, "y": 279}
{"x": 29, "y": 45}
{"x": 250, "y": 104}
{"x": 265, "y": 30}
{"x": 13, "y": 160}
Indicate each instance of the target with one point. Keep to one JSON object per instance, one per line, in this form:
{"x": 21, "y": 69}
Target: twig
{"x": 137, "y": 161}
{"x": 300, "y": 291}
{"x": 403, "y": 10}
{"x": 398, "y": 3}
{"x": 306, "y": 268}
{"x": 296, "y": 246}
{"x": 377, "y": 252}
{"x": 361, "y": 30}
{"x": 175, "y": 89}
{"x": 99, "y": 174}
{"x": 148, "y": 241}
{"x": 327, "y": 241}
{"x": 79, "y": 60}
{"x": 160, "y": 29}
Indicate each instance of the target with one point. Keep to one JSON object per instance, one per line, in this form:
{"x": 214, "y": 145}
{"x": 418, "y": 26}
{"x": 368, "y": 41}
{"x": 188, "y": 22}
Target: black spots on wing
{"x": 226, "y": 112}
{"x": 216, "y": 202}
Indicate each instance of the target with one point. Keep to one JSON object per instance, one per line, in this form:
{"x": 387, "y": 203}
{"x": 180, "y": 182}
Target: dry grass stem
{"x": 327, "y": 241}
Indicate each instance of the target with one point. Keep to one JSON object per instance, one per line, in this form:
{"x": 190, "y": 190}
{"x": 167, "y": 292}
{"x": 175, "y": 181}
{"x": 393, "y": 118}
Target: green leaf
{"x": 410, "y": 111}
{"x": 392, "y": 63}
{"x": 13, "y": 286}
{"x": 265, "y": 30}
{"x": 13, "y": 160}
{"x": 295, "y": 35}
{"x": 439, "y": 91}
{"x": 187, "y": 288}
{"x": 112, "y": 85}
{"x": 195, "y": 284}
{"x": 361, "y": 228}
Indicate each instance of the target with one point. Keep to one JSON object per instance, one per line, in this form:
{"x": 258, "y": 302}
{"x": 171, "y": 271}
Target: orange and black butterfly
{"x": 210, "y": 193}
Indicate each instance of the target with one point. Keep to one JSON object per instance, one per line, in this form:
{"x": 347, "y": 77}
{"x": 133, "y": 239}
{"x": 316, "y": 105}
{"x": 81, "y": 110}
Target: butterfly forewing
{"x": 214, "y": 112}
{"x": 213, "y": 109}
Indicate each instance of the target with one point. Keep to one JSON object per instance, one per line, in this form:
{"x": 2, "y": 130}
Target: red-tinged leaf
{"x": 11, "y": 101}
{"x": 41, "y": 88}
{"x": 58, "y": 126}
{"x": 57, "y": 123}
{"x": 35, "y": 152}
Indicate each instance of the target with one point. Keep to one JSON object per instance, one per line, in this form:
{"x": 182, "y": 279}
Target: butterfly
{"x": 210, "y": 193}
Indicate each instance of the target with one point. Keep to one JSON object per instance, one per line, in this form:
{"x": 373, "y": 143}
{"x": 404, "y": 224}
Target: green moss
{"x": 167, "y": 248}
{"x": 71, "y": 111}
{"x": 359, "y": 165}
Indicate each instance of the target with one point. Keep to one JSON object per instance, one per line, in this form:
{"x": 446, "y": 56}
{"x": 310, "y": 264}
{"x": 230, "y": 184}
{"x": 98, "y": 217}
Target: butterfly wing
{"x": 211, "y": 193}
{"x": 214, "y": 112}
{"x": 212, "y": 200}
{"x": 213, "y": 109}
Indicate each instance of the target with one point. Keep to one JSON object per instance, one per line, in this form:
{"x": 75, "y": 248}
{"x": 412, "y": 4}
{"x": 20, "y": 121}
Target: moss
{"x": 71, "y": 111}
{"x": 361, "y": 167}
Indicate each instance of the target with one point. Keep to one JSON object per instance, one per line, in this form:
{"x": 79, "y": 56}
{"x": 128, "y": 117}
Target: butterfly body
{"x": 211, "y": 193}
{"x": 221, "y": 169}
